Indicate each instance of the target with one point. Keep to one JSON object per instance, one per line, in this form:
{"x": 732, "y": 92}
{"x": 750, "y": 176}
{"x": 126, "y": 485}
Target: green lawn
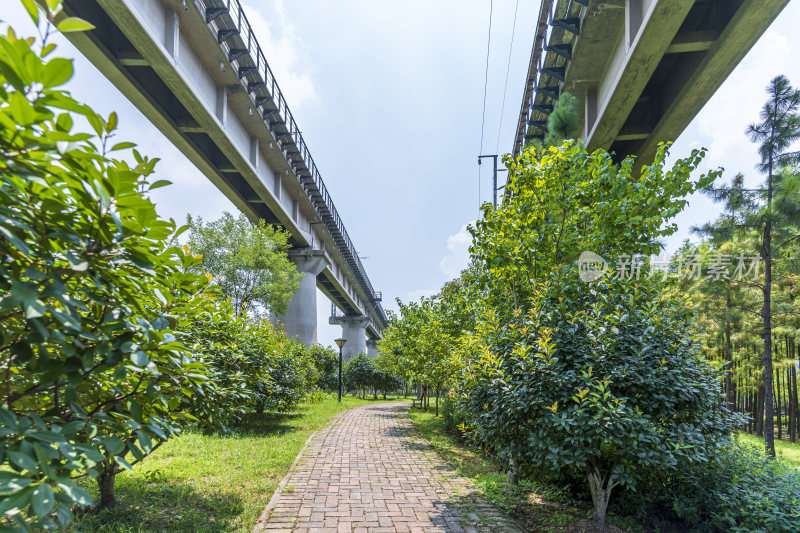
{"x": 789, "y": 451}
{"x": 536, "y": 505}
{"x": 212, "y": 483}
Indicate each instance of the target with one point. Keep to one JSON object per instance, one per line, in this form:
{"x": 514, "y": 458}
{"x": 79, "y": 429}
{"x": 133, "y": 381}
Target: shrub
{"x": 603, "y": 378}
{"x": 326, "y": 361}
{"x": 358, "y": 373}
{"x": 90, "y": 292}
{"x": 738, "y": 490}
{"x": 455, "y": 418}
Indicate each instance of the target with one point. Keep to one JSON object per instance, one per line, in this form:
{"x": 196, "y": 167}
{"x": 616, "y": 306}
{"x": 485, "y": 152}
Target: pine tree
{"x": 564, "y": 122}
{"x": 778, "y": 130}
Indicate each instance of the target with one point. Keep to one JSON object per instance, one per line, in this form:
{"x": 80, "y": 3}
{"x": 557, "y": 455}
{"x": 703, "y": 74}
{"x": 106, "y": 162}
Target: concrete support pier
{"x": 354, "y": 329}
{"x": 300, "y": 319}
{"x": 372, "y": 348}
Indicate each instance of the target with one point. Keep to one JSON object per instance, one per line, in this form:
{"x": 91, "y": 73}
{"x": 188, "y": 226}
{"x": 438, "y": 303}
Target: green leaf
{"x": 32, "y": 9}
{"x": 75, "y": 263}
{"x": 160, "y": 183}
{"x": 64, "y": 515}
{"x": 24, "y": 461}
{"x": 114, "y": 445}
{"x": 8, "y": 418}
{"x": 144, "y": 441}
{"x": 11, "y": 482}
{"x": 75, "y": 493}
{"x": 122, "y": 462}
{"x": 73, "y": 24}
{"x": 21, "y": 109}
{"x": 43, "y": 500}
{"x": 123, "y": 146}
{"x": 139, "y": 358}
{"x": 57, "y": 72}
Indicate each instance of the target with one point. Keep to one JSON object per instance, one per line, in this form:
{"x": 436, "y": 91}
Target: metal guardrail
{"x": 235, "y": 36}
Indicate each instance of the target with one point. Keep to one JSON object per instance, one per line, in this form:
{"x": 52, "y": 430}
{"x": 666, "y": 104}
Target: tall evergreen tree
{"x": 778, "y": 130}
{"x": 564, "y": 122}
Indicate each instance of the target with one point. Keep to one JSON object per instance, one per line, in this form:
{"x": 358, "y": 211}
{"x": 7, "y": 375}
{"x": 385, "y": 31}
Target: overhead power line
{"x": 485, "y": 85}
{"x": 508, "y": 69}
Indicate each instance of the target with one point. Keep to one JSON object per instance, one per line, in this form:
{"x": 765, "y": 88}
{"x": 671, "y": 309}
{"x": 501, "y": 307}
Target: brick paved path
{"x": 370, "y": 471}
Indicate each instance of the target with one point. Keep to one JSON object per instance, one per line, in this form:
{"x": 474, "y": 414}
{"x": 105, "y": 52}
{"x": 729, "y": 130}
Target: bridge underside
{"x": 196, "y": 81}
{"x": 642, "y": 69}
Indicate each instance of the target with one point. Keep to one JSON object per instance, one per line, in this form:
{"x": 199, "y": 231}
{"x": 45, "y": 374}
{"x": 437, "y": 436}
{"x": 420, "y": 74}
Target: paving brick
{"x": 369, "y": 471}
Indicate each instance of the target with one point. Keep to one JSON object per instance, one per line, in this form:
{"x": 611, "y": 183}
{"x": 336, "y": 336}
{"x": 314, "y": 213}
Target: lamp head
{"x": 340, "y": 342}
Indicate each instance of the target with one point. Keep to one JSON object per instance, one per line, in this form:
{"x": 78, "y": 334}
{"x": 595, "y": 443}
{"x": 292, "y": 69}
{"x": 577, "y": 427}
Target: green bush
{"x": 358, "y": 374}
{"x": 602, "y": 378}
{"x": 738, "y": 490}
{"x": 326, "y": 362}
{"x": 91, "y": 290}
{"x": 454, "y": 416}
{"x": 110, "y": 340}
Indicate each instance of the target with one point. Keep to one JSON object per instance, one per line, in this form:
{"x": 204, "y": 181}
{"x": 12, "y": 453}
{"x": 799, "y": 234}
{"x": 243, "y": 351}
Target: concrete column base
{"x": 354, "y": 330}
{"x": 300, "y": 319}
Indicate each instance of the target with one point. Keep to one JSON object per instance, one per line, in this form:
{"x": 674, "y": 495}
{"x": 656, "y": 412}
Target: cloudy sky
{"x": 389, "y": 96}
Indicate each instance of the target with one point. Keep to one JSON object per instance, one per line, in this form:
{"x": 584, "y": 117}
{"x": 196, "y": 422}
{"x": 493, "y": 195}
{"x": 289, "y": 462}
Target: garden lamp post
{"x": 340, "y": 343}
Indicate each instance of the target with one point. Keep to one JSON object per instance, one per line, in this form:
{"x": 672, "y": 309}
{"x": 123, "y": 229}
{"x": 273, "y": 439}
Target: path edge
{"x": 273, "y": 501}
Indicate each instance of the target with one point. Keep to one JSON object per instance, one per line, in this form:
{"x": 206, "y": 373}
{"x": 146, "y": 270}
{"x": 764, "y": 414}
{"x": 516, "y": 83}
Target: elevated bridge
{"x": 195, "y": 69}
{"x": 642, "y": 69}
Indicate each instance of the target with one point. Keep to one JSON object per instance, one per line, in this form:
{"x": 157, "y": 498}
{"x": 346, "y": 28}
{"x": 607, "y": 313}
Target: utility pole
{"x": 494, "y": 177}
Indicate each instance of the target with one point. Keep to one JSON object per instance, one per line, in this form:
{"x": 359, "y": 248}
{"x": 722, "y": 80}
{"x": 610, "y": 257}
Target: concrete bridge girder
{"x": 642, "y": 68}
{"x": 164, "y": 57}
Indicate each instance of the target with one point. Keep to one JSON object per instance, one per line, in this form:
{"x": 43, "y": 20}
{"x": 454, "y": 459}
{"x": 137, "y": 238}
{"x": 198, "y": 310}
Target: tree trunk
{"x": 105, "y": 482}
{"x": 437, "y": 401}
{"x": 728, "y": 358}
{"x": 760, "y": 411}
{"x": 601, "y": 493}
{"x": 766, "y": 313}
{"x": 789, "y": 405}
{"x": 795, "y": 404}
{"x": 778, "y": 420}
{"x": 513, "y": 468}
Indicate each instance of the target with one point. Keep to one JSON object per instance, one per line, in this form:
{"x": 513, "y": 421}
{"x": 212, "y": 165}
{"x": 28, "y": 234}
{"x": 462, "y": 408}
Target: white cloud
{"x": 282, "y": 48}
{"x": 457, "y": 257}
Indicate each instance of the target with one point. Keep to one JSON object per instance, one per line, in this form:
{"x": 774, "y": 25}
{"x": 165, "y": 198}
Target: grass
{"x": 212, "y": 483}
{"x": 786, "y": 450}
{"x": 538, "y": 506}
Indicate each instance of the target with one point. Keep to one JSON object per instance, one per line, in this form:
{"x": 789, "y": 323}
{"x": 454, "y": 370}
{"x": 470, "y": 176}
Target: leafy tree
{"x": 247, "y": 260}
{"x": 326, "y": 362}
{"x": 603, "y": 378}
{"x": 359, "y": 374}
{"x": 385, "y": 382}
{"x": 421, "y": 344}
{"x": 778, "y": 130}
{"x": 560, "y": 204}
{"x": 91, "y": 288}
{"x": 568, "y": 201}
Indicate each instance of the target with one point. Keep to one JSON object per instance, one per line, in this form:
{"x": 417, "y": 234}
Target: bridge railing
{"x": 236, "y": 38}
